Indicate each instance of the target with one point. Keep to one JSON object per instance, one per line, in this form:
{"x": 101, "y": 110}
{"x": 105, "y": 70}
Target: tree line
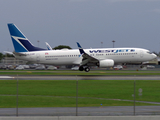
{"x": 5, "y": 55}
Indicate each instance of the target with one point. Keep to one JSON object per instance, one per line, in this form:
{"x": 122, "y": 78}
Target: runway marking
{"x": 5, "y": 77}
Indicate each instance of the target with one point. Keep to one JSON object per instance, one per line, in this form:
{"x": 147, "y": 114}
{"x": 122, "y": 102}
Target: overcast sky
{"x": 131, "y": 23}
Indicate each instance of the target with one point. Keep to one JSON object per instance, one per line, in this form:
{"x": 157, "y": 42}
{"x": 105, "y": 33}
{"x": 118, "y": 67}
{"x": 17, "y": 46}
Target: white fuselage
{"x": 68, "y": 57}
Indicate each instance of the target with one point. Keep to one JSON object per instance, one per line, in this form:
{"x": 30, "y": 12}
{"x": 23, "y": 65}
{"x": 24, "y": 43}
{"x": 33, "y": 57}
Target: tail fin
{"x": 48, "y": 46}
{"x": 20, "y": 42}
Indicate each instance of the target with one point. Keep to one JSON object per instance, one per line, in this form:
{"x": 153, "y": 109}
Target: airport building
{"x": 12, "y": 61}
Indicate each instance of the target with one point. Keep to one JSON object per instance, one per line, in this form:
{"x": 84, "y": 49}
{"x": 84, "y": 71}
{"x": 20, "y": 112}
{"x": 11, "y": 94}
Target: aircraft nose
{"x": 154, "y": 56}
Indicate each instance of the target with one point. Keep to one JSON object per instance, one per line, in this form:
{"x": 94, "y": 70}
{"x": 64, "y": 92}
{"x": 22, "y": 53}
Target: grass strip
{"x": 69, "y": 72}
{"x": 48, "y": 93}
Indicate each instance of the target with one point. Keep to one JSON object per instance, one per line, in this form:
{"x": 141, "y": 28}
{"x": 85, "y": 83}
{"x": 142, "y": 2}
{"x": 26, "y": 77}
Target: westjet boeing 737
{"x": 101, "y": 57}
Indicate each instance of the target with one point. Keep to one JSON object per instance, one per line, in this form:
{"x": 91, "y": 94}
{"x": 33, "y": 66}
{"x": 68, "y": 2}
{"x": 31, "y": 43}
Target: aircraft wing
{"x": 86, "y": 57}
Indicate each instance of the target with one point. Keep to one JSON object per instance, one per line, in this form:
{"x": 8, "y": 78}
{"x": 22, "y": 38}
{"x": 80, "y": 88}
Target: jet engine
{"x": 106, "y": 63}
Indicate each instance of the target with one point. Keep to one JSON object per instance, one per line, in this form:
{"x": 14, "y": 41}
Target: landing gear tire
{"x": 81, "y": 68}
{"x": 87, "y": 69}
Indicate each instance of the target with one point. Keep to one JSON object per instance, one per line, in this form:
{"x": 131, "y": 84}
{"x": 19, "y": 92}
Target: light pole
{"x": 101, "y": 44}
{"x": 38, "y": 42}
{"x": 113, "y": 43}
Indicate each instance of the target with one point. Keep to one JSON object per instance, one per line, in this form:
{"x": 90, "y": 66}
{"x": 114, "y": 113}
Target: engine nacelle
{"x": 106, "y": 63}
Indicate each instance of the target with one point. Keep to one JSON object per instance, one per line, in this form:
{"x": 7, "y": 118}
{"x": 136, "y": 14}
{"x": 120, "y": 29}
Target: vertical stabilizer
{"x": 48, "y": 46}
{"x": 20, "y": 42}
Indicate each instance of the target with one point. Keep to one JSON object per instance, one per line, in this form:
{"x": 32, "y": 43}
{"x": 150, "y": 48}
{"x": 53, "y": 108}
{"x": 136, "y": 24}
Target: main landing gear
{"x": 81, "y": 68}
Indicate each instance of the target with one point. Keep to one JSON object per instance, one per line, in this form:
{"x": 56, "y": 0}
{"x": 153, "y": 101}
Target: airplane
{"x": 48, "y": 46}
{"x": 85, "y": 58}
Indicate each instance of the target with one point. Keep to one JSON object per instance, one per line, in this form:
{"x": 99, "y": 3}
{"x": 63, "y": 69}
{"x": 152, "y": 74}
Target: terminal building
{"x": 12, "y": 61}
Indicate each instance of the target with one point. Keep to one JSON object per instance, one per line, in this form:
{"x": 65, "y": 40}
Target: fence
{"x": 79, "y": 97}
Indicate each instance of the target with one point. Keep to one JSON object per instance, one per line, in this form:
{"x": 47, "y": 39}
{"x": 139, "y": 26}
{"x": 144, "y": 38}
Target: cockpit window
{"x": 149, "y": 52}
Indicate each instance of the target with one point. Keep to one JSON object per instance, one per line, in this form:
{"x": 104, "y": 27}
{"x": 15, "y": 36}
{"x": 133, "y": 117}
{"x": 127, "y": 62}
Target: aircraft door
{"x": 38, "y": 57}
{"x": 141, "y": 54}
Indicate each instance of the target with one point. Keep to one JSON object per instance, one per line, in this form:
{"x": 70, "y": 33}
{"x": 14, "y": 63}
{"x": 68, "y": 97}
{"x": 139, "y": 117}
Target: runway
{"x": 82, "y": 111}
{"x": 80, "y": 77}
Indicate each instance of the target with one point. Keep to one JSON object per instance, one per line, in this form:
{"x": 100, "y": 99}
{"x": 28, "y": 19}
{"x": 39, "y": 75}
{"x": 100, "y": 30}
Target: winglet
{"x": 80, "y": 48}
